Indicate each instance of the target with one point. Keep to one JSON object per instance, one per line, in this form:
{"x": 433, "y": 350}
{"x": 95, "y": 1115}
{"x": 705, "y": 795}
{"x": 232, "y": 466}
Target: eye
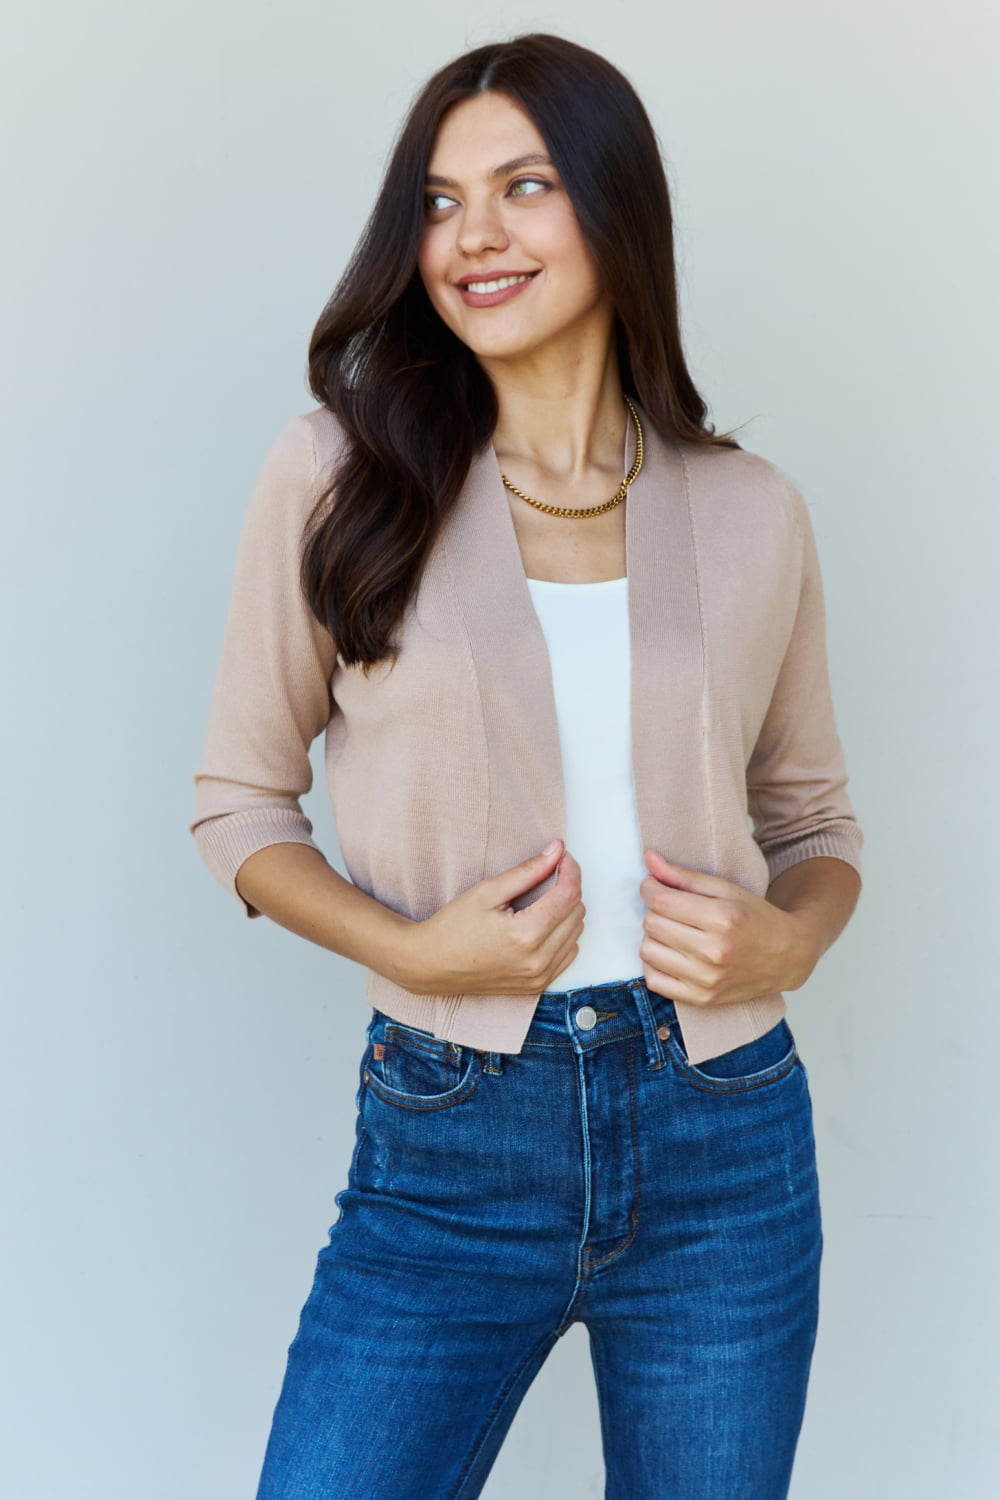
{"x": 538, "y": 182}
{"x": 431, "y": 201}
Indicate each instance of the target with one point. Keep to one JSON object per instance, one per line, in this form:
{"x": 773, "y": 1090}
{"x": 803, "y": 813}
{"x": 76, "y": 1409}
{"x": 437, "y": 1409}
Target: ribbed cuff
{"x": 224, "y": 842}
{"x": 844, "y": 843}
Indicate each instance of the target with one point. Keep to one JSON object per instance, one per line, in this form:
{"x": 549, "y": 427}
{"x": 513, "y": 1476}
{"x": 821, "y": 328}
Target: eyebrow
{"x": 532, "y": 160}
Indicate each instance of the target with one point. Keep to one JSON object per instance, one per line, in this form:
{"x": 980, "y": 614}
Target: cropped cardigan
{"x": 445, "y": 768}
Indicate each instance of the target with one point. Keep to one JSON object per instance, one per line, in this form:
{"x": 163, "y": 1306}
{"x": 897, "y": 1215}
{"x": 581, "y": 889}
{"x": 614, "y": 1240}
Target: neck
{"x": 562, "y": 420}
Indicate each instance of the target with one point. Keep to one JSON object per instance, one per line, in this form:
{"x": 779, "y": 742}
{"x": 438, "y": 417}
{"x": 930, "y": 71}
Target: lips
{"x": 464, "y": 281}
{"x": 490, "y": 299}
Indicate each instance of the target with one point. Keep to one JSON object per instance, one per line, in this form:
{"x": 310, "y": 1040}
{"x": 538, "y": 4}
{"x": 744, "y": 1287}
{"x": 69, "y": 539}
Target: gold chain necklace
{"x": 594, "y": 510}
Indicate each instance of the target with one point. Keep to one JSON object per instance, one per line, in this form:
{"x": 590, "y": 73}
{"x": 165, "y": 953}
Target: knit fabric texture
{"x": 445, "y": 768}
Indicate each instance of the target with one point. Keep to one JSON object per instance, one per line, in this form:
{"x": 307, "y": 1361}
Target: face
{"x": 495, "y": 208}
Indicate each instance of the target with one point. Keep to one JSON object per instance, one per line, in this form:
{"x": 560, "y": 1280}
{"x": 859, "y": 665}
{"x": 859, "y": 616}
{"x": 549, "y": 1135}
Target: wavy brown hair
{"x": 415, "y": 403}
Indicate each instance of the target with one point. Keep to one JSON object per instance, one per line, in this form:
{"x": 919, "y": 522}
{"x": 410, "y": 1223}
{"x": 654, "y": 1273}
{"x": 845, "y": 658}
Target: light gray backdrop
{"x": 185, "y": 184}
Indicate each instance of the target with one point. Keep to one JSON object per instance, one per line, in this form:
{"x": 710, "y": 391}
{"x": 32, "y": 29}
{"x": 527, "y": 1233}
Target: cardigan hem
{"x": 475, "y": 1021}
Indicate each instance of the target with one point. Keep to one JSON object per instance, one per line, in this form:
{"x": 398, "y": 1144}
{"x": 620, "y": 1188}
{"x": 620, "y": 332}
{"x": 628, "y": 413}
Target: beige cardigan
{"x": 446, "y": 769}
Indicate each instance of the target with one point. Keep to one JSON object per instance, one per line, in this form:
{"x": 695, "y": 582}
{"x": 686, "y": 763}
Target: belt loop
{"x": 654, "y": 1047}
{"x": 493, "y": 1063}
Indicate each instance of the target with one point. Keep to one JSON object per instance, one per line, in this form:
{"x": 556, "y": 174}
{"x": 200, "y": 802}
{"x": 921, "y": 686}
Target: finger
{"x": 551, "y": 940}
{"x": 686, "y": 879}
{"x": 567, "y": 929}
{"x": 552, "y": 951}
{"x": 693, "y": 942}
{"x": 529, "y": 873}
{"x": 564, "y": 956}
{"x": 671, "y": 989}
{"x": 691, "y": 908}
{"x": 564, "y": 893}
{"x": 680, "y": 968}
{"x": 559, "y": 956}
{"x": 551, "y": 928}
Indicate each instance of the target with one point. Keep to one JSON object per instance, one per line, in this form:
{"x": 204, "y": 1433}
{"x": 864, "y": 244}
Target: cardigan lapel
{"x": 665, "y": 625}
{"x": 512, "y": 667}
{"x": 514, "y": 672}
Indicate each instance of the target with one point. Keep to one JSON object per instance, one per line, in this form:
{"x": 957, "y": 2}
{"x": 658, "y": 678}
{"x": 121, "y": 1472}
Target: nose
{"x": 481, "y": 229}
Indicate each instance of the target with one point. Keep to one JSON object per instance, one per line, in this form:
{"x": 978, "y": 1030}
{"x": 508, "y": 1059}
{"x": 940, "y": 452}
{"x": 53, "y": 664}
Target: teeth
{"x": 494, "y": 286}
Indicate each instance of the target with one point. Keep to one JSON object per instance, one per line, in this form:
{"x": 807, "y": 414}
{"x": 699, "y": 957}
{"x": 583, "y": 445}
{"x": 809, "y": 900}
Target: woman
{"x": 562, "y": 639}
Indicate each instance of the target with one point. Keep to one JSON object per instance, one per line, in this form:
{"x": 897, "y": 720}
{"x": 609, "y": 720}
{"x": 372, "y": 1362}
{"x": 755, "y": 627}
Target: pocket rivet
{"x": 663, "y": 1032}
{"x": 367, "y": 1076}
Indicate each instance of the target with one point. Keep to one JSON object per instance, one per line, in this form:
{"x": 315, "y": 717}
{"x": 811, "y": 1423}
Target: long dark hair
{"x": 415, "y": 403}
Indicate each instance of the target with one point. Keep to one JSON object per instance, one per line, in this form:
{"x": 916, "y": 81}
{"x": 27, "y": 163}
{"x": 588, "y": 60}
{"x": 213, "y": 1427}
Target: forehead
{"x": 476, "y": 134}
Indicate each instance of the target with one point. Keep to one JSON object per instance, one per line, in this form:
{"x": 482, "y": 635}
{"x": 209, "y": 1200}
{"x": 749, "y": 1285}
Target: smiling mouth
{"x": 497, "y": 284}
{"x": 492, "y": 291}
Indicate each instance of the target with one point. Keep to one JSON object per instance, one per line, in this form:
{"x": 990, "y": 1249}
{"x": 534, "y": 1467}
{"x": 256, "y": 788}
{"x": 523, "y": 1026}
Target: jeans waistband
{"x": 591, "y": 1015}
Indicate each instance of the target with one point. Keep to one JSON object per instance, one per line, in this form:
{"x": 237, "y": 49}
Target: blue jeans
{"x": 494, "y": 1199}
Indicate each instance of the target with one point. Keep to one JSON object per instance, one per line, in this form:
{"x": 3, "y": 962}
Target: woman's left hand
{"x": 709, "y": 941}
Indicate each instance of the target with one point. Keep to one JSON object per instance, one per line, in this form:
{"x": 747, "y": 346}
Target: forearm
{"x": 821, "y": 893}
{"x": 295, "y": 886}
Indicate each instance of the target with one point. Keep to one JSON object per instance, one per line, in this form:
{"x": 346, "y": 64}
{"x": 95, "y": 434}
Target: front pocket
{"x": 416, "y": 1070}
{"x": 752, "y": 1065}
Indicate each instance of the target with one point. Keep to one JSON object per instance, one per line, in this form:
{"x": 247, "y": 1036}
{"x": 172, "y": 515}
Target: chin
{"x": 513, "y": 345}
{"x": 513, "y": 349}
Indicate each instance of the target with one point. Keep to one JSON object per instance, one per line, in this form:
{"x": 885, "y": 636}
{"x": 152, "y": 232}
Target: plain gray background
{"x": 185, "y": 183}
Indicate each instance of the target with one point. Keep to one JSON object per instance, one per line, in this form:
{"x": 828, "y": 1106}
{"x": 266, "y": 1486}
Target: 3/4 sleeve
{"x": 797, "y": 777}
{"x": 272, "y": 692}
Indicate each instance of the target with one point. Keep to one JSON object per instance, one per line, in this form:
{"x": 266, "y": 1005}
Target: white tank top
{"x": 587, "y": 631}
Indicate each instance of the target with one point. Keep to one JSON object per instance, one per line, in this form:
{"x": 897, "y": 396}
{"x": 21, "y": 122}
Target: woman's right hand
{"x": 477, "y": 944}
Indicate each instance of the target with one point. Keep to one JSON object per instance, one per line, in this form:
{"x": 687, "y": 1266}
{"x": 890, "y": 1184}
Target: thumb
{"x": 684, "y": 879}
{"x": 526, "y": 875}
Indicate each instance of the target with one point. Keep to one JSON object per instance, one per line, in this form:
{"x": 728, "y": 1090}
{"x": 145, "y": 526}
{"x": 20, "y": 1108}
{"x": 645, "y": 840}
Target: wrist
{"x": 805, "y": 948}
{"x": 400, "y": 962}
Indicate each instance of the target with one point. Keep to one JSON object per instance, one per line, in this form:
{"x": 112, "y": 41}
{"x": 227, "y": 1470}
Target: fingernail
{"x": 551, "y": 848}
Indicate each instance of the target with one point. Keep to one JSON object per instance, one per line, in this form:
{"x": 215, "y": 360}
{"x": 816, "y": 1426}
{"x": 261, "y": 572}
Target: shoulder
{"x": 296, "y": 468}
{"x": 735, "y": 488}
{"x": 327, "y": 434}
{"x": 748, "y": 478}
{"x": 307, "y": 444}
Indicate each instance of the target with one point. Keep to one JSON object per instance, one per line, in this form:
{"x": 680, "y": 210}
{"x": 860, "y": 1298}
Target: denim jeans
{"x": 494, "y": 1199}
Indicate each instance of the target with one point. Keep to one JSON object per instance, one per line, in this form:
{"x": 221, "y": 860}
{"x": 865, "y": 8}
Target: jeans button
{"x": 663, "y": 1032}
{"x": 586, "y": 1017}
